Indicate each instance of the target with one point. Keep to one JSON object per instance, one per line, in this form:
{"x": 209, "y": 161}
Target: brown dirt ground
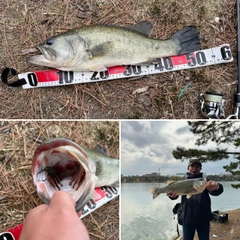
{"x": 227, "y": 230}
{"x": 18, "y": 141}
{"x": 27, "y": 23}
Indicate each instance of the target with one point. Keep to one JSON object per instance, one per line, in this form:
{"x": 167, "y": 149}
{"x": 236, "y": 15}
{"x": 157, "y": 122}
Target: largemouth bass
{"x": 94, "y": 48}
{"x": 187, "y": 187}
{"x": 61, "y": 164}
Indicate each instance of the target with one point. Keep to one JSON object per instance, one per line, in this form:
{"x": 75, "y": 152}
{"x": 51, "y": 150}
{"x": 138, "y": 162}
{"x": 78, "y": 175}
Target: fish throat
{"x": 61, "y": 169}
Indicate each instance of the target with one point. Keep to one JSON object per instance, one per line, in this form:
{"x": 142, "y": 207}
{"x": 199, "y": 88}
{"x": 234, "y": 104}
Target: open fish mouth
{"x": 42, "y": 55}
{"x": 39, "y": 58}
{"x": 61, "y": 164}
{"x": 29, "y": 50}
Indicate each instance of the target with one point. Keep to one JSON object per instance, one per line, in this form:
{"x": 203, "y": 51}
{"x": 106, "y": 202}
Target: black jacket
{"x": 196, "y": 211}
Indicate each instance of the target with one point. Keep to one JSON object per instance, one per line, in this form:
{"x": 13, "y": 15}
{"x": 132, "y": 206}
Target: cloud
{"x": 182, "y": 130}
{"x": 146, "y": 146}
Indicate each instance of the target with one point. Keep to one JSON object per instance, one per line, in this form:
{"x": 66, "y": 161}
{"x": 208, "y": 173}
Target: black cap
{"x": 192, "y": 161}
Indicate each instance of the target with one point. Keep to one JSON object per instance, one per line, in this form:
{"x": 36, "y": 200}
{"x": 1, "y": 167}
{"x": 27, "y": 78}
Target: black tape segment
{"x": 6, "y": 236}
{"x": 5, "y": 74}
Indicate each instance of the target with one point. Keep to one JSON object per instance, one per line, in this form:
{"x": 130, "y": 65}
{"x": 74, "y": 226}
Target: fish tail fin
{"x": 187, "y": 39}
{"x": 155, "y": 192}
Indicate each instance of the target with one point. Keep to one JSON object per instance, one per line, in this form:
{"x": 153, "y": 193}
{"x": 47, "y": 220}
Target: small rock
{"x": 206, "y": 38}
{"x": 217, "y": 19}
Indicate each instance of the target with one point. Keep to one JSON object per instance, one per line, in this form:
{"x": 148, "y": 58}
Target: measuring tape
{"x": 102, "y": 196}
{"x": 52, "y": 78}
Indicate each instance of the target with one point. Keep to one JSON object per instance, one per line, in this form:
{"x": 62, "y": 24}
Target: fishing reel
{"x": 212, "y": 105}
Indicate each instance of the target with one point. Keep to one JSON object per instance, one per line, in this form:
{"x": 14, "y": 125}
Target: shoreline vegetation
{"x": 163, "y": 179}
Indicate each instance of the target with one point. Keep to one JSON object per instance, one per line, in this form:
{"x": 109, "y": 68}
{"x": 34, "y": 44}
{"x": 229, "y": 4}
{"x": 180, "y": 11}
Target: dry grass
{"x": 18, "y": 141}
{"x": 27, "y": 23}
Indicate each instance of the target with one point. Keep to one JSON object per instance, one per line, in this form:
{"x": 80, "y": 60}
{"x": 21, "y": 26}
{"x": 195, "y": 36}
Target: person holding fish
{"x": 196, "y": 207}
{"x": 56, "y": 221}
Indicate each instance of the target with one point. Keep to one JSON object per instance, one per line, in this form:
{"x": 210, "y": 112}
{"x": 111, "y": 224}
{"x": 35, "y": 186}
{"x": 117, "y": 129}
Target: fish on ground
{"x": 61, "y": 164}
{"x": 95, "y": 48}
{"x": 187, "y": 187}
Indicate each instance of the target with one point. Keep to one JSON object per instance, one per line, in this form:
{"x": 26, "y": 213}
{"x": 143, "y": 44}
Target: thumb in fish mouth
{"x": 62, "y": 199}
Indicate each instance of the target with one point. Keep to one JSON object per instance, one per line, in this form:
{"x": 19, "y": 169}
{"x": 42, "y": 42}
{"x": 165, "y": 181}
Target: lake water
{"x": 148, "y": 219}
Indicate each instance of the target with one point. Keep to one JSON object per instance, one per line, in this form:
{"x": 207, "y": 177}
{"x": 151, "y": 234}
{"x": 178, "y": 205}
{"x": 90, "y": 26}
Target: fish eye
{"x": 50, "y": 42}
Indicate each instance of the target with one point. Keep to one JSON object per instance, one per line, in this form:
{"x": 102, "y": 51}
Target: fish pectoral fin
{"x": 101, "y": 150}
{"x": 143, "y": 27}
{"x": 100, "y": 49}
{"x": 96, "y": 196}
{"x": 98, "y": 68}
{"x": 189, "y": 196}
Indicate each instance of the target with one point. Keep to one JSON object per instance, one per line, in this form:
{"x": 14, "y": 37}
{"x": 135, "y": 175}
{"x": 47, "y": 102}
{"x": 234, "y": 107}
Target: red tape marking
{"x": 47, "y": 76}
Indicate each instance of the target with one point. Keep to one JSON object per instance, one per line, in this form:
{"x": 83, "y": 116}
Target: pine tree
{"x": 218, "y": 132}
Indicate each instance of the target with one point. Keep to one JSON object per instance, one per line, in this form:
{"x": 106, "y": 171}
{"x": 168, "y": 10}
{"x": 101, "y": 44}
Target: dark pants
{"x": 189, "y": 231}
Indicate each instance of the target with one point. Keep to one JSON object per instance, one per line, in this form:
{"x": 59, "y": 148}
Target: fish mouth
{"x": 38, "y": 59}
{"x": 61, "y": 164}
{"x": 46, "y": 56}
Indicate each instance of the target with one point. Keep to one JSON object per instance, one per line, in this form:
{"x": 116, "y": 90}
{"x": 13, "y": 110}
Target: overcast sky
{"x": 146, "y": 146}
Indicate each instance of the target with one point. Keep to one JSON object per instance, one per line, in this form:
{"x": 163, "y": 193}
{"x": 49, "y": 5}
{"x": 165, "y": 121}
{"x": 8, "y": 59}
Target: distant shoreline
{"x": 176, "y": 180}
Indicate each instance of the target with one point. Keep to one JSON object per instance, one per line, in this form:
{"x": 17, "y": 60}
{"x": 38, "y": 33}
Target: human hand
{"x": 56, "y": 221}
{"x": 172, "y": 194}
{"x": 212, "y": 186}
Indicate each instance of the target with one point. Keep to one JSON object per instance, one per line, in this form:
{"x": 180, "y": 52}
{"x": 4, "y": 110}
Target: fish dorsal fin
{"x": 143, "y": 27}
{"x": 101, "y": 150}
{"x": 169, "y": 182}
{"x": 100, "y": 49}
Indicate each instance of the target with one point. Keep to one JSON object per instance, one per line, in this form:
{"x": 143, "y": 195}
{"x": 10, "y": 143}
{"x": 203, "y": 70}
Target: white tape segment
{"x": 202, "y": 58}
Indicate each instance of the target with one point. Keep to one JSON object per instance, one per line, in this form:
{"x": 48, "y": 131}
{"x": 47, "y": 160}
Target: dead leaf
{"x": 140, "y": 90}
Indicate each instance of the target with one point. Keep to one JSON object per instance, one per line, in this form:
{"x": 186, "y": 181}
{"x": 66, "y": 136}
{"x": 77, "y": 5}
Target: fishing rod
{"x": 236, "y": 114}
{"x": 212, "y": 104}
